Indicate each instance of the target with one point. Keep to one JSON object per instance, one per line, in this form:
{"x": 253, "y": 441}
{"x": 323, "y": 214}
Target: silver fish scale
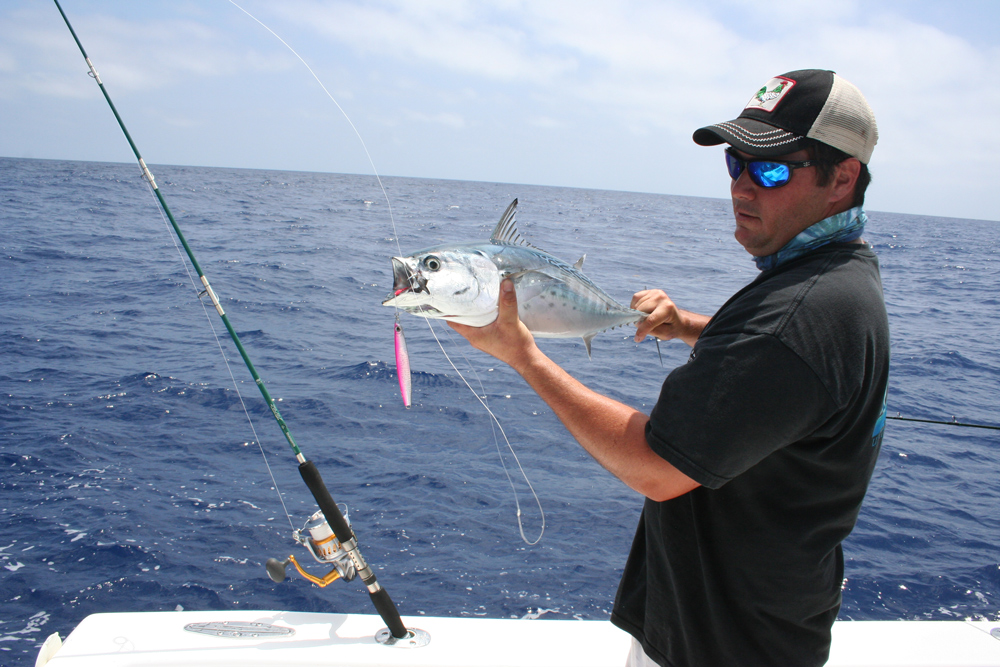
{"x": 511, "y": 266}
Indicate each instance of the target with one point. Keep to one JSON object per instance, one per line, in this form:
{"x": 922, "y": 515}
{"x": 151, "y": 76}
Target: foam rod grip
{"x": 386, "y": 608}
{"x": 310, "y": 475}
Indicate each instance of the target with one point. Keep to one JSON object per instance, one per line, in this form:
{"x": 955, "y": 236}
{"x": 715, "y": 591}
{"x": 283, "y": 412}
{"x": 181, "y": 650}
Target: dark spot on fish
{"x": 462, "y": 291}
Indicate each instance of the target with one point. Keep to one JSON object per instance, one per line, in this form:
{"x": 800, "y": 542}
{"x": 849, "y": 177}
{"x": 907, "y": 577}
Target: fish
{"x": 461, "y": 283}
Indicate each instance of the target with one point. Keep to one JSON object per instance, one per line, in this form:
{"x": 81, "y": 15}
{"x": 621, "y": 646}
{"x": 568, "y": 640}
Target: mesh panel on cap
{"x": 846, "y": 121}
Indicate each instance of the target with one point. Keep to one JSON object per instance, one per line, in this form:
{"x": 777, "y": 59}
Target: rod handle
{"x": 386, "y": 608}
{"x": 310, "y": 475}
{"x": 380, "y": 598}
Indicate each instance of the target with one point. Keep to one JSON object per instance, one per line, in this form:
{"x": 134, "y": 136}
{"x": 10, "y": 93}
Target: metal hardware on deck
{"x": 415, "y": 638}
{"x": 239, "y": 630}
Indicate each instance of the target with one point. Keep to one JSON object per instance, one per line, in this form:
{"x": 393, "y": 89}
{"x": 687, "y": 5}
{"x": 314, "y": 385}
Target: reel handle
{"x": 276, "y": 570}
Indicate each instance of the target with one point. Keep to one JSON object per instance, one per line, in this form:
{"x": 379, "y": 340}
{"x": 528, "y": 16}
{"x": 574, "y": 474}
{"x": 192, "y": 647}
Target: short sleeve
{"x": 738, "y": 399}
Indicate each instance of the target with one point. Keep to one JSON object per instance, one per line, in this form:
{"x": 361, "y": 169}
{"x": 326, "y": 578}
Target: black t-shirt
{"x": 778, "y": 414}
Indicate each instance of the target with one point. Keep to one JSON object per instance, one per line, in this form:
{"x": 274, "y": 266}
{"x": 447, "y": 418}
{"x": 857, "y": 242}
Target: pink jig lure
{"x": 402, "y": 365}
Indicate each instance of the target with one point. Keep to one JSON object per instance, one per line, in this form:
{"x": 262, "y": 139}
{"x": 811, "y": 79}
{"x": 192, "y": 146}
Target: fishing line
{"x": 346, "y": 117}
{"x": 335, "y": 522}
{"x": 481, "y": 400}
{"x": 485, "y": 401}
{"x": 431, "y": 328}
{"x": 953, "y": 422}
{"x": 225, "y": 359}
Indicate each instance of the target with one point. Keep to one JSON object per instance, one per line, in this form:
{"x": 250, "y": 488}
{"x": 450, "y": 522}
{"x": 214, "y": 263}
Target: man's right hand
{"x": 665, "y": 320}
{"x": 506, "y": 338}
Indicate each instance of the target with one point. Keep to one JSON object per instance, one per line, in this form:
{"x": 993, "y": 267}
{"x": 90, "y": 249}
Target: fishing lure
{"x": 402, "y": 364}
{"x": 402, "y": 356}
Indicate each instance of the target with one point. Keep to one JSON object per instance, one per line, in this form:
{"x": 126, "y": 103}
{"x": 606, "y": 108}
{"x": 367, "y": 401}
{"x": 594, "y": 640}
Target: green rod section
{"x": 148, "y": 175}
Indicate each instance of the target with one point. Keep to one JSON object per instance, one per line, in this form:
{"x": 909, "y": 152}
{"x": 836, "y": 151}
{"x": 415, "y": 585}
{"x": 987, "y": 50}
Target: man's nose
{"x": 742, "y": 187}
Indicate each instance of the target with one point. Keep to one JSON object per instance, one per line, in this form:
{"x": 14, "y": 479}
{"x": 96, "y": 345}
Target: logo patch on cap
{"x": 774, "y": 91}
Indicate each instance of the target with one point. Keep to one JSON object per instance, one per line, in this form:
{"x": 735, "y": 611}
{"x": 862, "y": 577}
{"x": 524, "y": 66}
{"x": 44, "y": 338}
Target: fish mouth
{"x": 404, "y": 281}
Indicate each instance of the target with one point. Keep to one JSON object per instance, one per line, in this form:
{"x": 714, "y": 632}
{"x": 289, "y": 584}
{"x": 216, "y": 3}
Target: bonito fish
{"x": 461, "y": 283}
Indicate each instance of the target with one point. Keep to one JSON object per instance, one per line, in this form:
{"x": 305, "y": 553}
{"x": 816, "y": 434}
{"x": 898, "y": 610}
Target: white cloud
{"x": 452, "y": 120}
{"x": 458, "y": 36}
{"x": 546, "y": 122}
{"x": 654, "y": 67}
{"x": 136, "y": 55}
{"x": 604, "y": 71}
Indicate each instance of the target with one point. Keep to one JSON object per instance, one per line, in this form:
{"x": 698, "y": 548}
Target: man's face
{"x": 768, "y": 218}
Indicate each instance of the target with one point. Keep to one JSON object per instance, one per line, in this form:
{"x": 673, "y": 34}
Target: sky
{"x": 581, "y": 94}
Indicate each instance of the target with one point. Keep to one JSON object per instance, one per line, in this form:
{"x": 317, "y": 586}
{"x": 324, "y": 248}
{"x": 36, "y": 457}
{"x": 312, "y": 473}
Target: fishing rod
{"x": 330, "y": 538}
{"x": 953, "y": 422}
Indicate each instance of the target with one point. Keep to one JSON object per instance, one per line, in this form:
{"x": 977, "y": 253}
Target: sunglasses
{"x": 765, "y": 173}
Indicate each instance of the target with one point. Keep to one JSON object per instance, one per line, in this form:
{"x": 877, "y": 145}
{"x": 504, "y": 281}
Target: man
{"x": 756, "y": 457}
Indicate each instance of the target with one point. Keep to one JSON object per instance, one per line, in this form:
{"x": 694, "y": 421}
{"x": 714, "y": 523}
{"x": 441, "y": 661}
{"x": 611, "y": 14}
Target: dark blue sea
{"x": 130, "y": 479}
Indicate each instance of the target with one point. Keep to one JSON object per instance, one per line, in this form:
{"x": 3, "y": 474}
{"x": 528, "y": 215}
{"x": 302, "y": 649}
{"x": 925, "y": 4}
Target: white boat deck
{"x": 347, "y": 640}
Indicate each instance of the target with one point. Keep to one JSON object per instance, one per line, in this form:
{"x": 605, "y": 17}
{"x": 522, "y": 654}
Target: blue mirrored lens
{"x": 734, "y": 166}
{"x": 769, "y": 174}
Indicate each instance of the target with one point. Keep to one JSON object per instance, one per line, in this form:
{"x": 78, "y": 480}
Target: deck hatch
{"x": 239, "y": 630}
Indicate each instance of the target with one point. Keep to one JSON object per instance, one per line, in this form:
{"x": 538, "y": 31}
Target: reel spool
{"x": 318, "y": 538}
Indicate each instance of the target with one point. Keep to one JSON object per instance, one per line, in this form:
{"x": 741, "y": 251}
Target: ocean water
{"x": 130, "y": 478}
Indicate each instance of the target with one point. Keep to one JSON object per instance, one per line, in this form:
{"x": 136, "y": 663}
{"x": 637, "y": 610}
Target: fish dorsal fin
{"x": 506, "y": 230}
{"x": 579, "y": 263}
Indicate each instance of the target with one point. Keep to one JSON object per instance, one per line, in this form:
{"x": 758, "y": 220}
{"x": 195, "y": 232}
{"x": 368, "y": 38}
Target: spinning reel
{"x": 319, "y": 539}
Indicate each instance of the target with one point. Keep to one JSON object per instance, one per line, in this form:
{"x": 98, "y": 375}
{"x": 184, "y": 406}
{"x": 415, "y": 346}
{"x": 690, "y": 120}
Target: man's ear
{"x": 844, "y": 179}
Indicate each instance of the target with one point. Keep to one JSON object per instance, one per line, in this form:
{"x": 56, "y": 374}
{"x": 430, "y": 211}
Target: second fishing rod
{"x": 338, "y": 524}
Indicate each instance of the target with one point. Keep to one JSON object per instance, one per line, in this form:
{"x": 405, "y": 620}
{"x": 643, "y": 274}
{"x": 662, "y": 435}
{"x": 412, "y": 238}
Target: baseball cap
{"x": 804, "y": 104}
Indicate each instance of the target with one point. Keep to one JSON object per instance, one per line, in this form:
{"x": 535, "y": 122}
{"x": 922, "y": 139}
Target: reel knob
{"x": 276, "y": 569}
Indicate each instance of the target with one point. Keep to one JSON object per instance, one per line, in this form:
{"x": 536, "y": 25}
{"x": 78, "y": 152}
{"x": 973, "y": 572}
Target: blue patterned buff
{"x": 838, "y": 228}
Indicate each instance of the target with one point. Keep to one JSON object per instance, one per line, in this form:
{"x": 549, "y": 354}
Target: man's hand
{"x": 612, "y": 432}
{"x": 506, "y": 338}
{"x": 666, "y": 320}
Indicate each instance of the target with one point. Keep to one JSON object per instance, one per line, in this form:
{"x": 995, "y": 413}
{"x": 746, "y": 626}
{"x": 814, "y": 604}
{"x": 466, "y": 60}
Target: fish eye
{"x": 432, "y": 263}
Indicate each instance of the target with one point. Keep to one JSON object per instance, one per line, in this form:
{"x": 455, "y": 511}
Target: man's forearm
{"x": 612, "y": 432}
